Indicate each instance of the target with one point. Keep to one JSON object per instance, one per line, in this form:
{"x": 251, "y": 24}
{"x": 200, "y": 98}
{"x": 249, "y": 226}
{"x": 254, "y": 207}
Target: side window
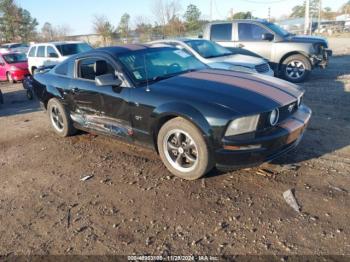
{"x": 87, "y": 70}
{"x": 221, "y": 32}
{"x": 62, "y": 69}
{"x": 250, "y": 32}
{"x": 41, "y": 51}
{"x": 51, "y": 52}
{"x": 32, "y": 52}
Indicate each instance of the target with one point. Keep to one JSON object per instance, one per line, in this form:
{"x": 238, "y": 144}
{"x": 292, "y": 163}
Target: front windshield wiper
{"x": 213, "y": 56}
{"x": 163, "y": 77}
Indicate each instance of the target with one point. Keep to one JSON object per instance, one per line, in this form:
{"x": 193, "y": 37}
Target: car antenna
{"x": 146, "y": 71}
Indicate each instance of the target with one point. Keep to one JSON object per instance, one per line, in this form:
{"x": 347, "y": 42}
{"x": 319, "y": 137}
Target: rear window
{"x": 221, "y": 32}
{"x": 72, "y": 49}
{"x": 15, "y": 58}
{"x": 62, "y": 69}
{"x": 32, "y": 51}
{"x": 41, "y": 51}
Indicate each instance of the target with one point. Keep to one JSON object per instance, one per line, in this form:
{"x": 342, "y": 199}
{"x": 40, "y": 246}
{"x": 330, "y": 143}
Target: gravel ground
{"x": 133, "y": 205}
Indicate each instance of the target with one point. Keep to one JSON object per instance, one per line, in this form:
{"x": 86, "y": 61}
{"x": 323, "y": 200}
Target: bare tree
{"x": 143, "y": 27}
{"x": 167, "y": 14}
{"x": 103, "y": 27}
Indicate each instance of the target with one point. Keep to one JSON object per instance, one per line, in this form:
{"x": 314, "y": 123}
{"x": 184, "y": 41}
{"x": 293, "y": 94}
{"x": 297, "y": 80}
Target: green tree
{"x": 124, "y": 25}
{"x": 241, "y": 15}
{"x": 16, "y": 24}
{"x": 192, "y": 18}
{"x": 299, "y": 10}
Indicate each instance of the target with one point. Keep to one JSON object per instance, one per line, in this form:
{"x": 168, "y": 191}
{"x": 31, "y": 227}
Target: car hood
{"x": 243, "y": 60}
{"x": 240, "y": 92}
{"x": 307, "y": 39}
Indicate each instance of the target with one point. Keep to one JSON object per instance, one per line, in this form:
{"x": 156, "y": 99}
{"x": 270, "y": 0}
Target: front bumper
{"x": 19, "y": 75}
{"x": 322, "y": 59}
{"x": 286, "y": 136}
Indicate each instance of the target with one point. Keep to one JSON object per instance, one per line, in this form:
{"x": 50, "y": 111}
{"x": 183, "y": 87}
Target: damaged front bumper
{"x": 321, "y": 60}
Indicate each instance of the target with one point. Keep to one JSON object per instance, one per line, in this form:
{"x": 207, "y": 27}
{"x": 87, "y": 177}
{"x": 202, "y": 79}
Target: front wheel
{"x": 59, "y": 118}
{"x": 296, "y": 68}
{"x": 183, "y": 149}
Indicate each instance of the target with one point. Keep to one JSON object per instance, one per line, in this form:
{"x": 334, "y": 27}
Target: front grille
{"x": 284, "y": 111}
{"x": 263, "y": 68}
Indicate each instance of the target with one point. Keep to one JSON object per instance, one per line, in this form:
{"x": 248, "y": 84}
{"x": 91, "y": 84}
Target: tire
{"x": 60, "y": 119}
{"x": 29, "y": 94}
{"x": 296, "y": 68}
{"x": 180, "y": 130}
{"x": 9, "y": 78}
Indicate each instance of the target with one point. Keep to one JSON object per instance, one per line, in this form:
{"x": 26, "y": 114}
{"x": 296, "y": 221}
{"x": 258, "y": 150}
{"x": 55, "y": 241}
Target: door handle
{"x": 240, "y": 45}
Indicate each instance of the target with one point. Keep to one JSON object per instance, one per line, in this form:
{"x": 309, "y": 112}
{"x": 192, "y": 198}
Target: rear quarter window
{"x": 32, "y": 51}
{"x": 221, "y": 32}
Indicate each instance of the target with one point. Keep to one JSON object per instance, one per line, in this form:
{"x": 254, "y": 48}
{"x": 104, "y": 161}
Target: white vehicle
{"x": 49, "y": 54}
{"x": 216, "y": 56}
{"x": 14, "y": 47}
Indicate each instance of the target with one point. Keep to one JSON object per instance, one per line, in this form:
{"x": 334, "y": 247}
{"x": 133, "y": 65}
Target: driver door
{"x": 250, "y": 38}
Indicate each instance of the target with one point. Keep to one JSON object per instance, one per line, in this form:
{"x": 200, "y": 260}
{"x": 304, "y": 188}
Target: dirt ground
{"x": 133, "y": 205}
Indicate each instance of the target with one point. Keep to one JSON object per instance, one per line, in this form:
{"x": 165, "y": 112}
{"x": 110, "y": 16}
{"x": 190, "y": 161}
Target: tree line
{"x": 17, "y": 24}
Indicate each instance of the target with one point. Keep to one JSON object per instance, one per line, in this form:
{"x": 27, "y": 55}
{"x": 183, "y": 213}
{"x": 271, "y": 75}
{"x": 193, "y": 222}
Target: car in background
{"x": 14, "y": 47}
{"x": 165, "y": 98}
{"x": 13, "y": 67}
{"x": 216, "y": 56}
{"x": 48, "y": 54}
{"x": 292, "y": 57}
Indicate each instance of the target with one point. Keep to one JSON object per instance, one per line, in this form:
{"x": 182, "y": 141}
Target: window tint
{"x": 41, "y": 51}
{"x": 250, "y": 32}
{"x": 62, "y": 69}
{"x": 32, "y": 51}
{"x": 15, "y": 58}
{"x": 86, "y": 69}
{"x": 72, "y": 49}
{"x": 221, "y": 32}
{"x": 51, "y": 52}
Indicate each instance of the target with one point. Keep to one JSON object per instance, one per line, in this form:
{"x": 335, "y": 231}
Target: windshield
{"x": 15, "y": 58}
{"x": 208, "y": 49}
{"x": 72, "y": 49}
{"x": 152, "y": 65}
{"x": 277, "y": 29}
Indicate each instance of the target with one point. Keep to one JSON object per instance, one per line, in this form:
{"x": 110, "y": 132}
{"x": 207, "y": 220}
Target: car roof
{"x": 58, "y": 43}
{"x": 239, "y": 20}
{"x": 123, "y": 49}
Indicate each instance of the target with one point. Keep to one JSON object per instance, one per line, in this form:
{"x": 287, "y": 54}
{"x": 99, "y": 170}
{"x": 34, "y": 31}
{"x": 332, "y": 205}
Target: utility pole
{"x": 319, "y": 17}
{"x": 269, "y": 14}
{"x": 307, "y": 17}
{"x": 211, "y": 10}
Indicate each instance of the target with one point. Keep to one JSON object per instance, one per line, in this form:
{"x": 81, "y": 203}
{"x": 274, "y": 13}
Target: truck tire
{"x": 296, "y": 68}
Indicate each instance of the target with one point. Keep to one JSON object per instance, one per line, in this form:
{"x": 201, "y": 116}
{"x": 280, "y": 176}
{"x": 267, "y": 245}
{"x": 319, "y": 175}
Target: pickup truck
{"x": 291, "y": 57}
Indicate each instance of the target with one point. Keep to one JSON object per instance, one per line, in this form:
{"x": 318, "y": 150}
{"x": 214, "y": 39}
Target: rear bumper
{"x": 19, "y": 74}
{"x": 282, "y": 139}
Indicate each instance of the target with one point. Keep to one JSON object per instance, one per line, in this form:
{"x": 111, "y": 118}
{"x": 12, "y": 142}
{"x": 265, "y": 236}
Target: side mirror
{"x": 108, "y": 80}
{"x": 53, "y": 55}
{"x": 267, "y": 36}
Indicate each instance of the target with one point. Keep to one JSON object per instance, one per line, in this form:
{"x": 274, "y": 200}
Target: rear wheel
{"x": 183, "y": 149}
{"x": 9, "y": 78}
{"x": 296, "y": 68}
{"x": 60, "y": 119}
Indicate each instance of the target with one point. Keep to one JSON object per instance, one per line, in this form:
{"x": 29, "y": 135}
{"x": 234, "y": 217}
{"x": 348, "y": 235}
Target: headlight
{"x": 242, "y": 125}
{"x": 274, "y": 116}
{"x": 242, "y": 69}
{"x": 299, "y": 101}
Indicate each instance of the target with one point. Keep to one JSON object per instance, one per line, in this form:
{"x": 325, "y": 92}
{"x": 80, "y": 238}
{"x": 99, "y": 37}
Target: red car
{"x": 13, "y": 67}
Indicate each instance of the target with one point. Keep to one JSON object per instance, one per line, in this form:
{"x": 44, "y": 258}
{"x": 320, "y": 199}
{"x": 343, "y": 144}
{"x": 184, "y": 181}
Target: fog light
{"x": 274, "y": 116}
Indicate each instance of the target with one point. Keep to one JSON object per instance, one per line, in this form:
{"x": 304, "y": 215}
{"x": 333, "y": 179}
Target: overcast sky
{"x": 78, "y": 14}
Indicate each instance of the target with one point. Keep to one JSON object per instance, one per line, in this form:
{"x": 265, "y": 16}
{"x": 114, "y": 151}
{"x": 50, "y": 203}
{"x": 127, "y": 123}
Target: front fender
{"x": 176, "y": 109}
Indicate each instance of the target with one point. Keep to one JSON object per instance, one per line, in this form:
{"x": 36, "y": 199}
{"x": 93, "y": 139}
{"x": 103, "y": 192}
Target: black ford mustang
{"x": 195, "y": 117}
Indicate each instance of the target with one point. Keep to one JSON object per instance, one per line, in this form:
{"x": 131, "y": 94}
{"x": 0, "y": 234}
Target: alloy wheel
{"x": 295, "y": 69}
{"x": 180, "y": 150}
{"x": 56, "y": 118}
